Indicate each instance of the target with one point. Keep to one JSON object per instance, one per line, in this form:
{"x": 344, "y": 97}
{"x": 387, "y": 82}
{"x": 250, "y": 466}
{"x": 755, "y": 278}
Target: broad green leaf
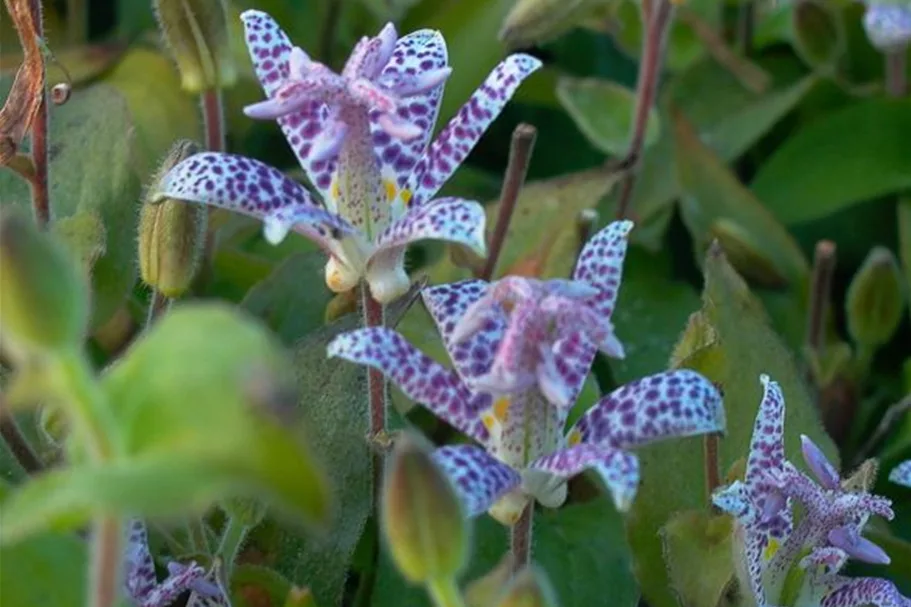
{"x": 47, "y": 570}
{"x": 844, "y": 157}
{"x": 95, "y": 124}
{"x": 82, "y": 63}
{"x": 84, "y": 234}
{"x": 712, "y": 193}
{"x": 580, "y": 546}
{"x": 292, "y": 300}
{"x": 603, "y": 111}
{"x": 698, "y": 552}
{"x": 743, "y": 347}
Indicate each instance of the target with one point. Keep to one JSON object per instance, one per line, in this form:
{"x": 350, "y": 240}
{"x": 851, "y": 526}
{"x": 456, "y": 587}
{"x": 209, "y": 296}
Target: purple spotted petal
{"x": 661, "y": 406}
{"x": 855, "y": 592}
{"x": 830, "y": 559}
{"x": 888, "y": 25}
{"x": 209, "y": 592}
{"x": 421, "y": 378}
{"x": 601, "y": 265}
{"x": 564, "y": 367}
{"x": 767, "y": 444}
{"x": 819, "y": 464}
{"x": 619, "y": 470}
{"x": 454, "y": 143}
{"x": 139, "y": 569}
{"x": 253, "y": 188}
{"x": 857, "y": 546}
{"x": 513, "y": 368}
{"x": 418, "y": 52}
{"x": 480, "y": 480}
{"x": 270, "y": 52}
{"x": 901, "y": 474}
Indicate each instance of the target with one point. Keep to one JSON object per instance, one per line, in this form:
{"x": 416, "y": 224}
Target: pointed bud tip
{"x": 197, "y": 34}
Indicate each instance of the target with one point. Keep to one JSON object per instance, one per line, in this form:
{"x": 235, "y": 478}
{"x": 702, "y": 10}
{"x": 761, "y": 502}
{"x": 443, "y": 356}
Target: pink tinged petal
{"x": 397, "y": 128}
{"x": 421, "y": 82}
{"x": 329, "y": 142}
{"x": 454, "y": 143}
{"x": 356, "y": 58}
{"x": 670, "y": 404}
{"x": 601, "y": 266}
{"x": 572, "y": 358}
{"x": 299, "y": 63}
{"x": 619, "y": 470}
{"x": 856, "y": 546}
{"x": 479, "y": 479}
{"x": 139, "y": 569}
{"x": 855, "y": 592}
{"x": 447, "y": 304}
{"x": 829, "y": 559}
{"x": 418, "y": 376}
{"x": 387, "y": 37}
{"x": 419, "y": 52}
{"x": 371, "y": 95}
{"x": 514, "y": 365}
{"x": 819, "y": 464}
{"x": 901, "y": 474}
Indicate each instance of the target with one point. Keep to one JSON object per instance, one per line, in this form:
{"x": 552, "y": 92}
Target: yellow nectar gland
{"x": 575, "y": 437}
{"x": 771, "y": 549}
{"x": 392, "y": 191}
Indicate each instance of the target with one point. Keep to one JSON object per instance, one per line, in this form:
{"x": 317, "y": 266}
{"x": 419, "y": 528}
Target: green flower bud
{"x": 247, "y": 511}
{"x": 196, "y": 32}
{"x": 532, "y": 22}
{"x": 746, "y": 255}
{"x": 422, "y": 517}
{"x": 530, "y": 588}
{"x": 300, "y": 597}
{"x": 171, "y": 234}
{"x": 875, "y": 299}
{"x": 43, "y": 300}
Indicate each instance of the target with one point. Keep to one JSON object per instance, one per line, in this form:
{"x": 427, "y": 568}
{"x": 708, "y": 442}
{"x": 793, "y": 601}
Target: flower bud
{"x": 888, "y": 25}
{"x": 746, "y": 255}
{"x": 43, "y": 300}
{"x": 171, "y": 234}
{"x": 530, "y": 588}
{"x": 299, "y": 597}
{"x": 247, "y": 511}
{"x": 422, "y": 517}
{"x": 532, "y": 22}
{"x": 196, "y": 32}
{"x": 875, "y": 299}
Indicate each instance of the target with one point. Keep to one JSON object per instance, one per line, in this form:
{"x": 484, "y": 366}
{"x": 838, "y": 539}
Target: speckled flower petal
{"x": 819, "y": 464}
{"x": 454, "y": 143}
{"x": 270, "y": 51}
{"x": 901, "y": 474}
{"x": 619, "y": 470}
{"x": 854, "y": 592}
{"x": 513, "y": 368}
{"x": 417, "y": 52}
{"x": 253, "y": 188}
{"x": 479, "y": 479}
{"x": 849, "y": 539}
{"x": 417, "y": 375}
{"x": 601, "y": 265}
{"x": 664, "y": 405}
{"x": 888, "y": 25}
{"x": 447, "y": 304}
{"x": 210, "y": 592}
{"x": 139, "y": 569}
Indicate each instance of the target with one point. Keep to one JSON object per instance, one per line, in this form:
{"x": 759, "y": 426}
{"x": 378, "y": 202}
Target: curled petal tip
{"x": 848, "y": 538}
{"x": 819, "y": 464}
{"x": 398, "y": 128}
{"x": 265, "y": 110}
{"x": 275, "y": 230}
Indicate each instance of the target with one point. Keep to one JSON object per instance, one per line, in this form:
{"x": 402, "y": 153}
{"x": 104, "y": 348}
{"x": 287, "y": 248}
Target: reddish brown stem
{"x": 520, "y": 538}
{"x": 41, "y": 202}
{"x": 656, "y": 21}
{"x": 820, "y": 291}
{"x": 710, "y": 456}
{"x": 214, "y": 122}
{"x": 897, "y": 72}
{"x": 523, "y": 143}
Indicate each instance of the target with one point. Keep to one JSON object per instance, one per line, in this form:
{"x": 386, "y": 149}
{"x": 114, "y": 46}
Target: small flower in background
{"x": 825, "y": 538}
{"x": 522, "y": 452}
{"x": 363, "y": 138}
{"x": 901, "y": 474}
{"x": 143, "y": 588}
{"x": 888, "y": 25}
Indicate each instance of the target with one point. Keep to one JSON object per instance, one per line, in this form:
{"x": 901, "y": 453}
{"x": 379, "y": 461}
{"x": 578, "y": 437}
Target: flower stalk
{"x": 520, "y": 537}
{"x": 107, "y": 543}
{"x": 445, "y": 593}
{"x": 232, "y": 540}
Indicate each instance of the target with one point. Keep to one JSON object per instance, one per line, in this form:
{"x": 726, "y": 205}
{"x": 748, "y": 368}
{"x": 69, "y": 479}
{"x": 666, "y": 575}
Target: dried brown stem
{"x": 820, "y": 292}
{"x": 657, "y": 20}
{"x": 520, "y": 536}
{"x": 16, "y": 441}
{"x": 523, "y": 143}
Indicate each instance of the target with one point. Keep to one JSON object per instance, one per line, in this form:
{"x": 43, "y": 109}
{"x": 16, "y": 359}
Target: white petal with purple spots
{"x": 479, "y": 479}
{"x": 619, "y": 470}
{"x": 600, "y": 265}
{"x": 901, "y": 474}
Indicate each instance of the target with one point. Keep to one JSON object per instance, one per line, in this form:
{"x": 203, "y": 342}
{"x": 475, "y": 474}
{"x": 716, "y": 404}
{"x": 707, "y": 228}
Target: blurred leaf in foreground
{"x": 697, "y": 551}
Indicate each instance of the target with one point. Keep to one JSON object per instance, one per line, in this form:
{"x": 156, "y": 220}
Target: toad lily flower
{"x": 522, "y": 452}
{"x": 770, "y": 546}
{"x": 142, "y": 585}
{"x": 901, "y": 474}
{"x": 888, "y": 25}
{"x": 363, "y": 138}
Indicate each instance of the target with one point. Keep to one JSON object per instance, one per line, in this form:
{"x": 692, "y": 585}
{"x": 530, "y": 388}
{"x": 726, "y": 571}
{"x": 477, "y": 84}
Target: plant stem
{"x": 232, "y": 539}
{"x": 213, "y": 116}
{"x": 820, "y": 291}
{"x": 157, "y": 303}
{"x": 710, "y": 458}
{"x": 897, "y": 72}
{"x": 374, "y": 316}
{"x": 41, "y": 204}
{"x": 520, "y": 149}
{"x": 88, "y": 410}
{"x": 197, "y": 535}
{"x": 520, "y": 538}
{"x": 656, "y": 25}
{"x": 16, "y": 441}
{"x": 107, "y": 541}
{"x": 445, "y": 593}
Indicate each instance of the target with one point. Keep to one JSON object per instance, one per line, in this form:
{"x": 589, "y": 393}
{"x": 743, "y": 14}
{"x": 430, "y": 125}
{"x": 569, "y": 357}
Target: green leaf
{"x": 742, "y": 347}
{"x": 95, "y": 124}
{"x": 47, "y": 570}
{"x": 844, "y": 157}
{"x": 580, "y": 546}
{"x": 603, "y": 111}
{"x": 292, "y": 300}
{"x": 698, "y": 549}
{"x": 818, "y": 34}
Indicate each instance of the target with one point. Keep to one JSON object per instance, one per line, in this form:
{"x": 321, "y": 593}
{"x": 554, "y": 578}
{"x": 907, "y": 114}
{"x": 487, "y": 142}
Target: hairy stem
{"x": 445, "y": 593}
{"x": 520, "y": 538}
{"x": 521, "y": 147}
{"x": 16, "y": 441}
{"x": 656, "y": 21}
{"x": 820, "y": 292}
{"x": 897, "y": 72}
{"x": 41, "y": 203}
{"x": 107, "y": 542}
{"x": 232, "y": 540}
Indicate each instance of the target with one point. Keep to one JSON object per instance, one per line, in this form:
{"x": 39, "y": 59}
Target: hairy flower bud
{"x": 196, "y": 32}
{"x": 875, "y": 299}
{"x": 171, "y": 234}
{"x": 43, "y": 300}
{"x": 530, "y": 588}
{"x": 746, "y": 255}
{"x": 422, "y": 520}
